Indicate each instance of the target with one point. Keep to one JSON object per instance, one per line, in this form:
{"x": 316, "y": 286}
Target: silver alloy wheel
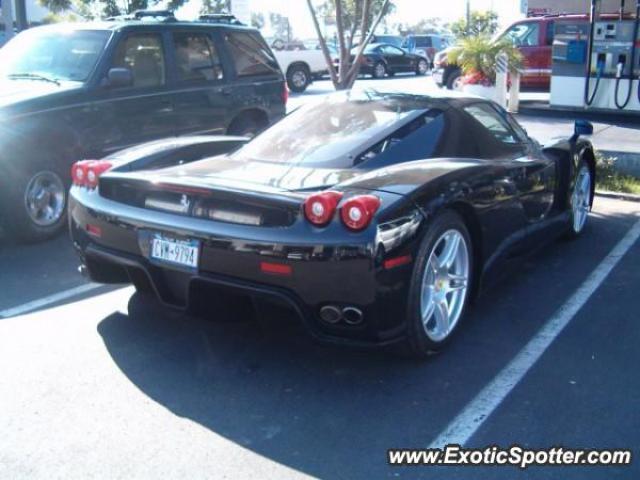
{"x": 444, "y": 285}
{"x": 299, "y": 79}
{"x": 422, "y": 67}
{"x": 44, "y": 198}
{"x": 380, "y": 70}
{"x": 580, "y": 199}
{"x": 457, "y": 84}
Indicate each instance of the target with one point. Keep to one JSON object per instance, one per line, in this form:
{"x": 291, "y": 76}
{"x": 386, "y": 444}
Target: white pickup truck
{"x": 300, "y": 65}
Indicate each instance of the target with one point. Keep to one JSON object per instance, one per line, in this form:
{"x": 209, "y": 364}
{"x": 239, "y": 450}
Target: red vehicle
{"x": 533, "y": 37}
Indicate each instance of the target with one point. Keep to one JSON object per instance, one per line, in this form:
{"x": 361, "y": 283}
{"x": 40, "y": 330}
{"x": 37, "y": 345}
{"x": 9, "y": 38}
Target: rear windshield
{"x": 332, "y": 133}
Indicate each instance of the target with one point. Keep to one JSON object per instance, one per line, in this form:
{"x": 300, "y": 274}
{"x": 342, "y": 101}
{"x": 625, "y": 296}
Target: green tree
{"x": 348, "y": 26}
{"x": 112, "y": 8}
{"x": 481, "y": 23}
{"x": 424, "y": 26}
{"x": 257, "y": 20}
{"x": 280, "y": 25}
{"x": 478, "y": 55}
{"x": 210, "y": 6}
{"x": 109, "y": 7}
{"x": 352, "y": 14}
{"x": 56, "y": 6}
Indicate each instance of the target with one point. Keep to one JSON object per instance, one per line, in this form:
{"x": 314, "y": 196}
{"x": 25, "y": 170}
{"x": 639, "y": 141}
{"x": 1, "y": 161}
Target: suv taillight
{"x": 285, "y": 93}
{"x": 357, "y": 212}
{"x": 86, "y": 173}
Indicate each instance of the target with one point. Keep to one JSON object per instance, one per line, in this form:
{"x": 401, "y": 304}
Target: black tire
{"x": 298, "y": 78}
{"x": 420, "y": 70}
{"x": 573, "y": 231}
{"x": 452, "y": 78}
{"x": 379, "y": 70}
{"x": 18, "y": 224}
{"x": 417, "y": 343}
{"x": 246, "y": 126}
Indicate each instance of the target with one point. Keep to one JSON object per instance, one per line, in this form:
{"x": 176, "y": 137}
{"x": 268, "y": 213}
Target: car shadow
{"x": 263, "y": 384}
{"x": 260, "y": 382}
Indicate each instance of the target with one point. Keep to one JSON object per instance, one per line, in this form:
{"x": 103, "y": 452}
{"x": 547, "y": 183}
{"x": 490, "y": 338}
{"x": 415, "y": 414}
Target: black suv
{"x": 81, "y": 91}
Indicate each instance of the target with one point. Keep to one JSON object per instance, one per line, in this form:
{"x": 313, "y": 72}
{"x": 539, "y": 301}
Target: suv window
{"x": 423, "y": 42}
{"x": 251, "y": 56}
{"x": 492, "y": 121}
{"x": 524, "y": 34}
{"x": 196, "y": 58}
{"x": 144, "y": 56}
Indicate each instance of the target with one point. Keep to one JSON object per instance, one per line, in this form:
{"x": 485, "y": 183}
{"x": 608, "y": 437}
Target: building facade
{"x": 553, "y": 7}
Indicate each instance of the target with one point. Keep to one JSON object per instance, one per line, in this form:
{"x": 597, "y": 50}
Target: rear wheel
{"x": 580, "y": 200}
{"x": 298, "y": 78}
{"x": 422, "y": 68}
{"x": 440, "y": 285}
{"x": 247, "y": 126}
{"x": 34, "y": 205}
{"x": 454, "y": 82}
{"x": 379, "y": 70}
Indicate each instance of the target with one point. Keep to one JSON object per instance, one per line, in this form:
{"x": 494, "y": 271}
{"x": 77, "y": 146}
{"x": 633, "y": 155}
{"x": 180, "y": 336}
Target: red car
{"x": 533, "y": 37}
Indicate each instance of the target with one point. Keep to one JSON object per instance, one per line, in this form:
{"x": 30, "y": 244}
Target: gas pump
{"x": 597, "y": 64}
{"x": 630, "y": 64}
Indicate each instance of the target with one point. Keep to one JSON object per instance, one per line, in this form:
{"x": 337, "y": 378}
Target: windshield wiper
{"x": 33, "y": 76}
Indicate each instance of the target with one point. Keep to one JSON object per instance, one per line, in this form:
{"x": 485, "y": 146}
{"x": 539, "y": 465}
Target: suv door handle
{"x": 225, "y": 91}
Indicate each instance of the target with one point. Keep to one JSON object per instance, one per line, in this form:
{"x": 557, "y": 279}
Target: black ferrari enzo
{"x": 374, "y": 216}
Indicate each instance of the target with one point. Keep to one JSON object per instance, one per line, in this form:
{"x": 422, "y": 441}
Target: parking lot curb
{"x": 619, "y": 195}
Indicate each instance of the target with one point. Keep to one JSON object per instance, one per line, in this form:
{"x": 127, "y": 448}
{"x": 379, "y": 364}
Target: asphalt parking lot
{"x": 99, "y": 382}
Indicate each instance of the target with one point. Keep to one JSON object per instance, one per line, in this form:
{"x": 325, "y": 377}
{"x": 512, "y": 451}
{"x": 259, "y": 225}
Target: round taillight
{"x": 79, "y": 172}
{"x": 94, "y": 170}
{"x": 320, "y": 207}
{"x": 92, "y": 178}
{"x": 357, "y": 212}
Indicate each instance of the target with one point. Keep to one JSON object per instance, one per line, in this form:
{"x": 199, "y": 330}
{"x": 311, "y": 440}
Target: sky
{"x": 407, "y": 11}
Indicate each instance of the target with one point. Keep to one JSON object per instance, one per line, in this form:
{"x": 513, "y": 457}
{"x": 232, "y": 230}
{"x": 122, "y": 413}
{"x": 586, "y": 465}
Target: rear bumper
{"x": 345, "y": 275}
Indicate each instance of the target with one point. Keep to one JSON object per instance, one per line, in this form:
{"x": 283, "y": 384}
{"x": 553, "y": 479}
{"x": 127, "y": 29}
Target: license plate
{"x": 437, "y": 77}
{"x": 176, "y": 252}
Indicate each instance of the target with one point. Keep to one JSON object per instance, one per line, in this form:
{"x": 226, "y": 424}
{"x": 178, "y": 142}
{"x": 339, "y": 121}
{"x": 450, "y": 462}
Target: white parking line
{"x": 43, "y": 302}
{"x": 460, "y": 430}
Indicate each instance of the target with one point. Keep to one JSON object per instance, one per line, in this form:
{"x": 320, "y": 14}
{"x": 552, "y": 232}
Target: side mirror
{"x": 119, "y": 77}
{"x": 582, "y": 127}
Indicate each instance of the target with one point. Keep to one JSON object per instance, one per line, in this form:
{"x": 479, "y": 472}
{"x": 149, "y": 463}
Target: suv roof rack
{"x": 224, "y": 18}
{"x": 160, "y": 15}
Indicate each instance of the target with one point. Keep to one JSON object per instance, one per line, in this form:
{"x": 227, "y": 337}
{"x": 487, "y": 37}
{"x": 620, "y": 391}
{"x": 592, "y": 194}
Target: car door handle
{"x": 226, "y": 91}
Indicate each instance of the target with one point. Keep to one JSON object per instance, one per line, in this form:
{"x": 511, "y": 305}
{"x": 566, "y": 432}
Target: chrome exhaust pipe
{"x": 330, "y": 314}
{"x": 352, "y": 315}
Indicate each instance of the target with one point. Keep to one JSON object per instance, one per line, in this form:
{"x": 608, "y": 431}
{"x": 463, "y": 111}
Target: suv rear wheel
{"x": 247, "y": 125}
